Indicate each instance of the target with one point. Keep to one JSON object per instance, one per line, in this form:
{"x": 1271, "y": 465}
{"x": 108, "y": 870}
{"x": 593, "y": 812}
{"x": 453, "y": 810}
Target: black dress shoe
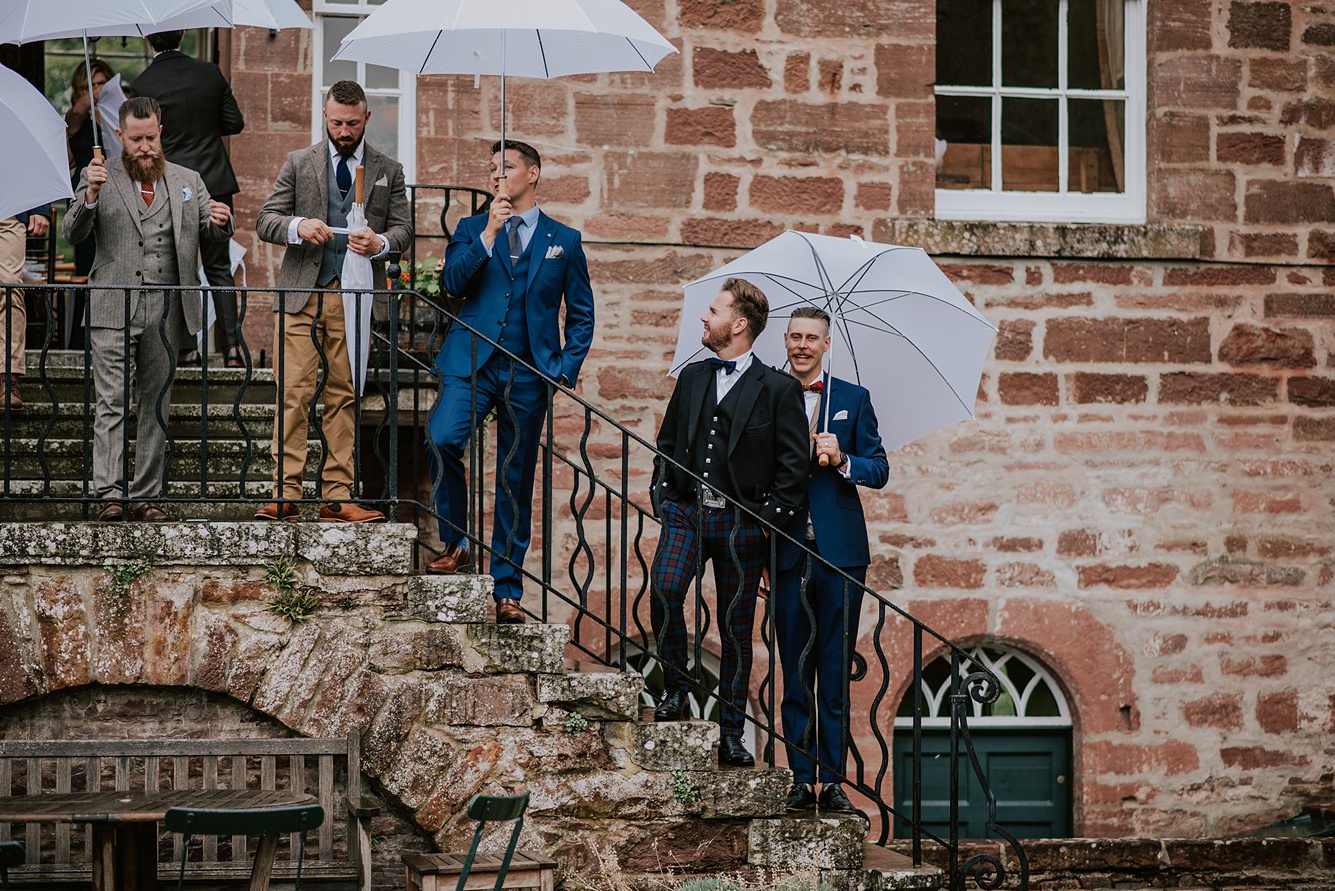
{"x": 674, "y": 707}
{"x": 234, "y": 359}
{"x": 801, "y": 797}
{"x": 833, "y": 799}
{"x": 732, "y": 753}
{"x": 189, "y": 359}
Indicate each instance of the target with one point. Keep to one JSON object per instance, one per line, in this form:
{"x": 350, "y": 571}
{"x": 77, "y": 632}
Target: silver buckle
{"x": 710, "y": 498}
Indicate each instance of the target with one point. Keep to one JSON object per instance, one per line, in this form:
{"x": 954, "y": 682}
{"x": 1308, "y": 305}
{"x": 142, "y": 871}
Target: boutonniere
{"x": 186, "y": 194}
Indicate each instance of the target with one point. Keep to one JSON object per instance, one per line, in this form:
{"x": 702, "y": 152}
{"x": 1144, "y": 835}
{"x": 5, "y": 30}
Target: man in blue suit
{"x": 512, "y": 267}
{"x": 815, "y": 608}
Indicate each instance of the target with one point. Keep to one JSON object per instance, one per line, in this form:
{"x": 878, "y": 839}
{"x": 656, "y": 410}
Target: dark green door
{"x": 1029, "y": 772}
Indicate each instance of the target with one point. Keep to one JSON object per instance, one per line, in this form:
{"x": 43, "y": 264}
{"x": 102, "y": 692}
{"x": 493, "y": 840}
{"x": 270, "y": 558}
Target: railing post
{"x": 917, "y": 744}
{"x": 958, "y": 701}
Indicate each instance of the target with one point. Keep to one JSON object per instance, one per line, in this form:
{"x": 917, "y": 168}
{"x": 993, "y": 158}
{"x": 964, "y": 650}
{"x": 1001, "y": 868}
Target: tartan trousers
{"x": 737, "y": 545}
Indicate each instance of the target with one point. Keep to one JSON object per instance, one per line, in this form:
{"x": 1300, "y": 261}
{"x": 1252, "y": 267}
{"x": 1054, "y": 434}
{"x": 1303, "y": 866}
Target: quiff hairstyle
{"x": 346, "y": 92}
{"x": 141, "y": 108}
{"x": 812, "y": 312}
{"x": 750, "y": 303}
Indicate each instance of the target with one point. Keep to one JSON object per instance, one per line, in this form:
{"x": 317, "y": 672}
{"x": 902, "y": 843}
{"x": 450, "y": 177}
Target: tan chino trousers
{"x": 295, "y": 357}
{"x": 13, "y": 312}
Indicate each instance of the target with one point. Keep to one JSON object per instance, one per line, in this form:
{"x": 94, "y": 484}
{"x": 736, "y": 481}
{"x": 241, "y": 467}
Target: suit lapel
{"x": 320, "y": 167}
{"x": 175, "y": 201}
{"x": 695, "y": 400}
{"x": 129, "y": 192}
{"x": 542, "y": 237}
{"x": 748, "y": 391}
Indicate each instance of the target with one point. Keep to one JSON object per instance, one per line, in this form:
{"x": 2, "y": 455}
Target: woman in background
{"x": 79, "y": 138}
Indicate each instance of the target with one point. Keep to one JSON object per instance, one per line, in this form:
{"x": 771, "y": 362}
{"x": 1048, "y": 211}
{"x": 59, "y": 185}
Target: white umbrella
{"x": 900, "y": 328}
{"x": 557, "y": 38}
{"x": 32, "y": 153}
{"x": 272, "y": 14}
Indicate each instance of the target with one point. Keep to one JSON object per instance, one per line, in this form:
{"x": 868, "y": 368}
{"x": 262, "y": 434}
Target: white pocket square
{"x": 186, "y": 194}
{"x": 840, "y": 416}
{"x": 383, "y": 181}
{"x": 555, "y": 252}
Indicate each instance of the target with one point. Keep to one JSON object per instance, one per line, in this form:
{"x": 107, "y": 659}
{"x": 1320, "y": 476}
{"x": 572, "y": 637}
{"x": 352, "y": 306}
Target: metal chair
{"x": 11, "y": 854}
{"x": 429, "y": 872}
{"x": 268, "y": 823}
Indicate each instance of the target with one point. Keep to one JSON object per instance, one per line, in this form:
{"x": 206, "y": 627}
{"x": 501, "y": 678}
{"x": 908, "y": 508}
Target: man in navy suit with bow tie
{"x": 736, "y": 439}
{"x": 512, "y": 267}
{"x": 815, "y": 608}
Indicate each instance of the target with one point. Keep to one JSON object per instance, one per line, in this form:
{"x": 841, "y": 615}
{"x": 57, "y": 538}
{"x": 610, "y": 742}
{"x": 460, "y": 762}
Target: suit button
{"x": 141, "y": 244}
{"x": 811, "y": 476}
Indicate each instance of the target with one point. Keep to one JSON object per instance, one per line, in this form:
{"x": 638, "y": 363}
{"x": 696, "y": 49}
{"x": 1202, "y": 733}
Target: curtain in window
{"x": 1112, "y": 69}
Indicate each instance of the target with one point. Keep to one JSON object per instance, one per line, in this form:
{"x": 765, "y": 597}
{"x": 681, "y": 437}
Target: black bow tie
{"x": 729, "y": 365}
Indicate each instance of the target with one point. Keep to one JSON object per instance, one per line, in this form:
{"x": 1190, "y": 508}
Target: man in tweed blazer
{"x": 147, "y": 216}
{"x": 314, "y": 193}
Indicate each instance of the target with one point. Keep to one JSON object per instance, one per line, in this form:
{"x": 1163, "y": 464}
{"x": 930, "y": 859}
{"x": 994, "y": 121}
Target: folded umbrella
{"x": 358, "y": 282}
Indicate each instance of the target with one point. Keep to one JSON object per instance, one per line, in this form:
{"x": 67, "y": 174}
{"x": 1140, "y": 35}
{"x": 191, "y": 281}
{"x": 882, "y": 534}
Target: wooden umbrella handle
{"x": 502, "y": 187}
{"x": 824, "y": 460}
{"x": 361, "y": 184}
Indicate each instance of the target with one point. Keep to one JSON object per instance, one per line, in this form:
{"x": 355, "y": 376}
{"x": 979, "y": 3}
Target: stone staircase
{"x": 447, "y": 703}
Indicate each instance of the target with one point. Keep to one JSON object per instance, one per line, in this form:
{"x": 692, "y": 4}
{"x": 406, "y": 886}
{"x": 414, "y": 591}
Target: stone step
{"x": 816, "y": 841}
{"x": 31, "y": 500}
{"x": 675, "y": 745}
{"x": 518, "y": 649}
{"x": 454, "y": 599}
{"x": 888, "y": 870}
{"x": 64, "y": 458}
{"x": 379, "y": 549}
{"x": 599, "y": 693}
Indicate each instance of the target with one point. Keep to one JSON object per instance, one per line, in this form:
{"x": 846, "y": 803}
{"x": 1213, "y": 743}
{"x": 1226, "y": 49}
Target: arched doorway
{"x": 1023, "y": 742}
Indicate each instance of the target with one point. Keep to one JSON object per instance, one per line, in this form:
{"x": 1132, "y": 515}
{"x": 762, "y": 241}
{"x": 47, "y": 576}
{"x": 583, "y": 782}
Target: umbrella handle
{"x": 824, "y": 461}
{"x": 502, "y": 187}
{"x": 97, "y": 152}
{"x": 361, "y": 183}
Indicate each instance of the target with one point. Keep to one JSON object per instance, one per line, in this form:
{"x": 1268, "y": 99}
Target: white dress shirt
{"x": 354, "y": 161}
{"x": 723, "y": 381}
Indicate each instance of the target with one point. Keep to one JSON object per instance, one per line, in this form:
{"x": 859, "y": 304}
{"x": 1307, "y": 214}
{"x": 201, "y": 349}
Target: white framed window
{"x": 391, "y": 94}
{"x": 1040, "y": 110}
{"x": 1030, "y": 696}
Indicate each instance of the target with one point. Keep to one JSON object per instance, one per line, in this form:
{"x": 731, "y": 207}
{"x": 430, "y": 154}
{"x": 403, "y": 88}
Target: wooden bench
{"x": 440, "y": 872}
{"x": 338, "y": 854}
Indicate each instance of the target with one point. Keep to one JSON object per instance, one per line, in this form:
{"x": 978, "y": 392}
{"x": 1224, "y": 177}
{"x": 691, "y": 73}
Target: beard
{"x": 148, "y": 170}
{"x": 344, "y": 147}
{"x": 716, "y": 340}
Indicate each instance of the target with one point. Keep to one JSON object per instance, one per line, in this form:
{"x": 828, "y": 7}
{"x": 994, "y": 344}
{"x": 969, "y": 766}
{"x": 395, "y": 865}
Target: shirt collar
{"x": 743, "y": 362}
{"x": 354, "y": 161}
{"x": 530, "y": 217}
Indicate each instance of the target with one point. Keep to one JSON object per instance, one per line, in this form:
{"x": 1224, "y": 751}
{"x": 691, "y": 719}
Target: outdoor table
{"x": 124, "y": 838}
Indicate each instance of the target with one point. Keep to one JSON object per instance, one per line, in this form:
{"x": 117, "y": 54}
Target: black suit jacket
{"x": 767, "y": 450}
{"x": 198, "y": 110}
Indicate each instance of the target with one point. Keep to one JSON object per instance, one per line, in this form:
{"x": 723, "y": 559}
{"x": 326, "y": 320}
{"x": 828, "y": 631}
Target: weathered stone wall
{"x": 1144, "y": 501}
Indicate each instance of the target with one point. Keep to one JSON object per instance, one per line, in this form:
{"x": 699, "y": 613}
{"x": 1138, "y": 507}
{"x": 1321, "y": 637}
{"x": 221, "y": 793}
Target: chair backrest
{"x": 191, "y": 821}
{"x": 489, "y": 809}
{"x": 11, "y": 854}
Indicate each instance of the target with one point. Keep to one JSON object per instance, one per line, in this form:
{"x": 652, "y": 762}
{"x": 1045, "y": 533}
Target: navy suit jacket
{"x": 557, "y": 270}
{"x": 836, "y": 508}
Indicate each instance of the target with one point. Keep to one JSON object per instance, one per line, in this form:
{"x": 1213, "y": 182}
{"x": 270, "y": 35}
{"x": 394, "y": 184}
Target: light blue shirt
{"x": 530, "y": 218}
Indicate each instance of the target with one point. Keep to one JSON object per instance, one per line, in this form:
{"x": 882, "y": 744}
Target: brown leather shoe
{"x": 148, "y": 512}
{"x": 452, "y": 559}
{"x": 9, "y": 393}
{"x": 508, "y": 612}
{"x": 347, "y": 512}
{"x": 111, "y": 512}
{"x": 273, "y": 511}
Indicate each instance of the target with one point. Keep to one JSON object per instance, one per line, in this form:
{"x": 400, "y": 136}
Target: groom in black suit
{"x": 736, "y": 434}
{"x": 198, "y": 110}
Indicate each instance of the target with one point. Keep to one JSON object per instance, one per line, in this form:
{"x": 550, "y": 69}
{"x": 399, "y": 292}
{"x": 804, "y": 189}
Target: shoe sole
{"x": 351, "y": 522}
{"x": 265, "y": 518}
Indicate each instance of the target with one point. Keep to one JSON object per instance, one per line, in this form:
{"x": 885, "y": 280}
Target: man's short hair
{"x": 526, "y": 151}
{"x": 141, "y": 108}
{"x": 812, "y": 312}
{"x": 165, "y": 40}
{"x": 346, "y": 92}
{"x": 749, "y": 302}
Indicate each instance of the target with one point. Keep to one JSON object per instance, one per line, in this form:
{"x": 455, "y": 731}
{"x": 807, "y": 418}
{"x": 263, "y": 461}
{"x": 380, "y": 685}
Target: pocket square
{"x": 555, "y": 252}
{"x": 840, "y": 416}
{"x": 186, "y": 194}
{"x": 383, "y": 181}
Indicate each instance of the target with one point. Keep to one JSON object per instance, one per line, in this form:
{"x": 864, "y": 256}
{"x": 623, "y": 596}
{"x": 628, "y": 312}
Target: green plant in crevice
{"x": 576, "y": 723}
{"x": 684, "y": 789}
{"x": 282, "y": 574}
{"x": 123, "y": 574}
{"x": 294, "y": 602}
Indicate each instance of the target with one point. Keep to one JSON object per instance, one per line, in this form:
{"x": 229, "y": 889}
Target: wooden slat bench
{"x": 338, "y": 854}
{"x": 440, "y": 872}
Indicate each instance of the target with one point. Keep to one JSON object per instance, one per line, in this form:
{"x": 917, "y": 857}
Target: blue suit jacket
{"x": 556, "y": 270}
{"x": 836, "y": 509}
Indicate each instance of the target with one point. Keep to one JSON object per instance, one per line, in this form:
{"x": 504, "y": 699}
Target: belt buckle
{"x": 710, "y": 498}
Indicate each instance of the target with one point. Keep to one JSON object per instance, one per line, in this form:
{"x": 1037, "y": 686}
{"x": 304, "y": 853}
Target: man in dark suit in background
{"x": 815, "y": 608}
{"x": 513, "y": 268}
{"x": 737, "y": 425}
{"x": 198, "y": 110}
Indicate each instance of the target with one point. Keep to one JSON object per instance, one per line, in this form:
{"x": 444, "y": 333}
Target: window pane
{"x": 965, "y": 59}
{"x": 378, "y": 78}
{"x": 382, "y": 131}
{"x": 1097, "y": 42}
{"x": 1096, "y": 152}
{"x": 1029, "y": 145}
{"x": 964, "y": 124}
{"x": 335, "y": 29}
{"x": 1029, "y": 43}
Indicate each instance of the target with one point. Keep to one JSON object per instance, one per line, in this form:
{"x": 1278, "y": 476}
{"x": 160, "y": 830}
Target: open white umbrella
{"x": 272, "y": 14}
{"x": 900, "y": 328}
{"x": 556, "y": 38}
{"x": 32, "y": 152}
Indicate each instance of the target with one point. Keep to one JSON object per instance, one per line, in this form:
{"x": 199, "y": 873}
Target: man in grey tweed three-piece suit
{"x": 147, "y": 217}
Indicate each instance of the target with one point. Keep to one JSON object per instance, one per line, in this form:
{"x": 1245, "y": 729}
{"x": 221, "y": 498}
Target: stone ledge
{"x": 675, "y": 745}
{"x": 519, "y": 649}
{"x": 745, "y": 793}
{"x": 888, "y": 871}
{"x": 461, "y": 599}
{"x": 330, "y": 548}
{"x": 1044, "y": 240}
{"x": 594, "y": 694}
{"x": 827, "y": 842}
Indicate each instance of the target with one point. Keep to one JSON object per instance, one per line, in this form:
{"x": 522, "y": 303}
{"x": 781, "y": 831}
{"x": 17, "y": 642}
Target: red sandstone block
{"x": 1016, "y": 545}
{"x": 1216, "y": 276}
{"x": 1321, "y": 246}
{"x": 1317, "y": 113}
{"x": 725, "y": 15}
{"x": 1313, "y": 392}
{"x": 1198, "y": 83}
{"x": 862, "y": 19}
{"x": 1301, "y": 306}
{"x": 1277, "y": 712}
{"x": 964, "y": 513}
{"x": 873, "y": 196}
{"x": 1079, "y": 543}
{"x": 1269, "y": 666}
{"x": 843, "y": 230}
{"x": 1265, "y": 25}
{"x": 1315, "y": 157}
{"x": 1152, "y": 575}
{"x": 1180, "y": 25}
{"x": 721, "y": 191}
{"x": 884, "y": 573}
{"x": 1047, "y": 492}
{"x": 729, "y": 233}
{"x": 900, "y": 540}
{"x": 711, "y": 125}
{"x": 626, "y": 227}
{"x": 1195, "y": 194}
{"x": 1124, "y": 441}
{"x": 917, "y": 188}
{"x": 1272, "y": 347}
{"x": 1285, "y": 201}
{"x": 721, "y": 69}
{"x": 1266, "y": 503}
{"x": 830, "y": 127}
{"x": 655, "y": 270}
{"x": 915, "y": 124}
{"x": 886, "y": 507}
{"x": 1288, "y": 75}
{"x": 1172, "y": 758}
{"x": 619, "y": 120}
{"x": 1181, "y": 137}
{"x": 935, "y": 571}
{"x": 1023, "y": 388}
{"x": 648, "y": 179}
{"x": 797, "y": 73}
{"x": 905, "y": 70}
{"x": 1128, "y": 340}
{"x": 1025, "y": 575}
{"x": 1015, "y": 340}
{"x": 573, "y": 189}
{"x": 979, "y": 273}
{"x": 797, "y": 194}
{"x": 829, "y": 75}
{"x": 1250, "y": 148}
{"x": 1031, "y": 301}
{"x": 1319, "y": 34}
{"x": 1255, "y": 757}
{"x": 1263, "y": 244}
{"x": 1069, "y": 273}
{"x": 1174, "y": 676}
{"x": 1085, "y": 387}
{"x": 1187, "y": 388}
{"x": 1222, "y": 711}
